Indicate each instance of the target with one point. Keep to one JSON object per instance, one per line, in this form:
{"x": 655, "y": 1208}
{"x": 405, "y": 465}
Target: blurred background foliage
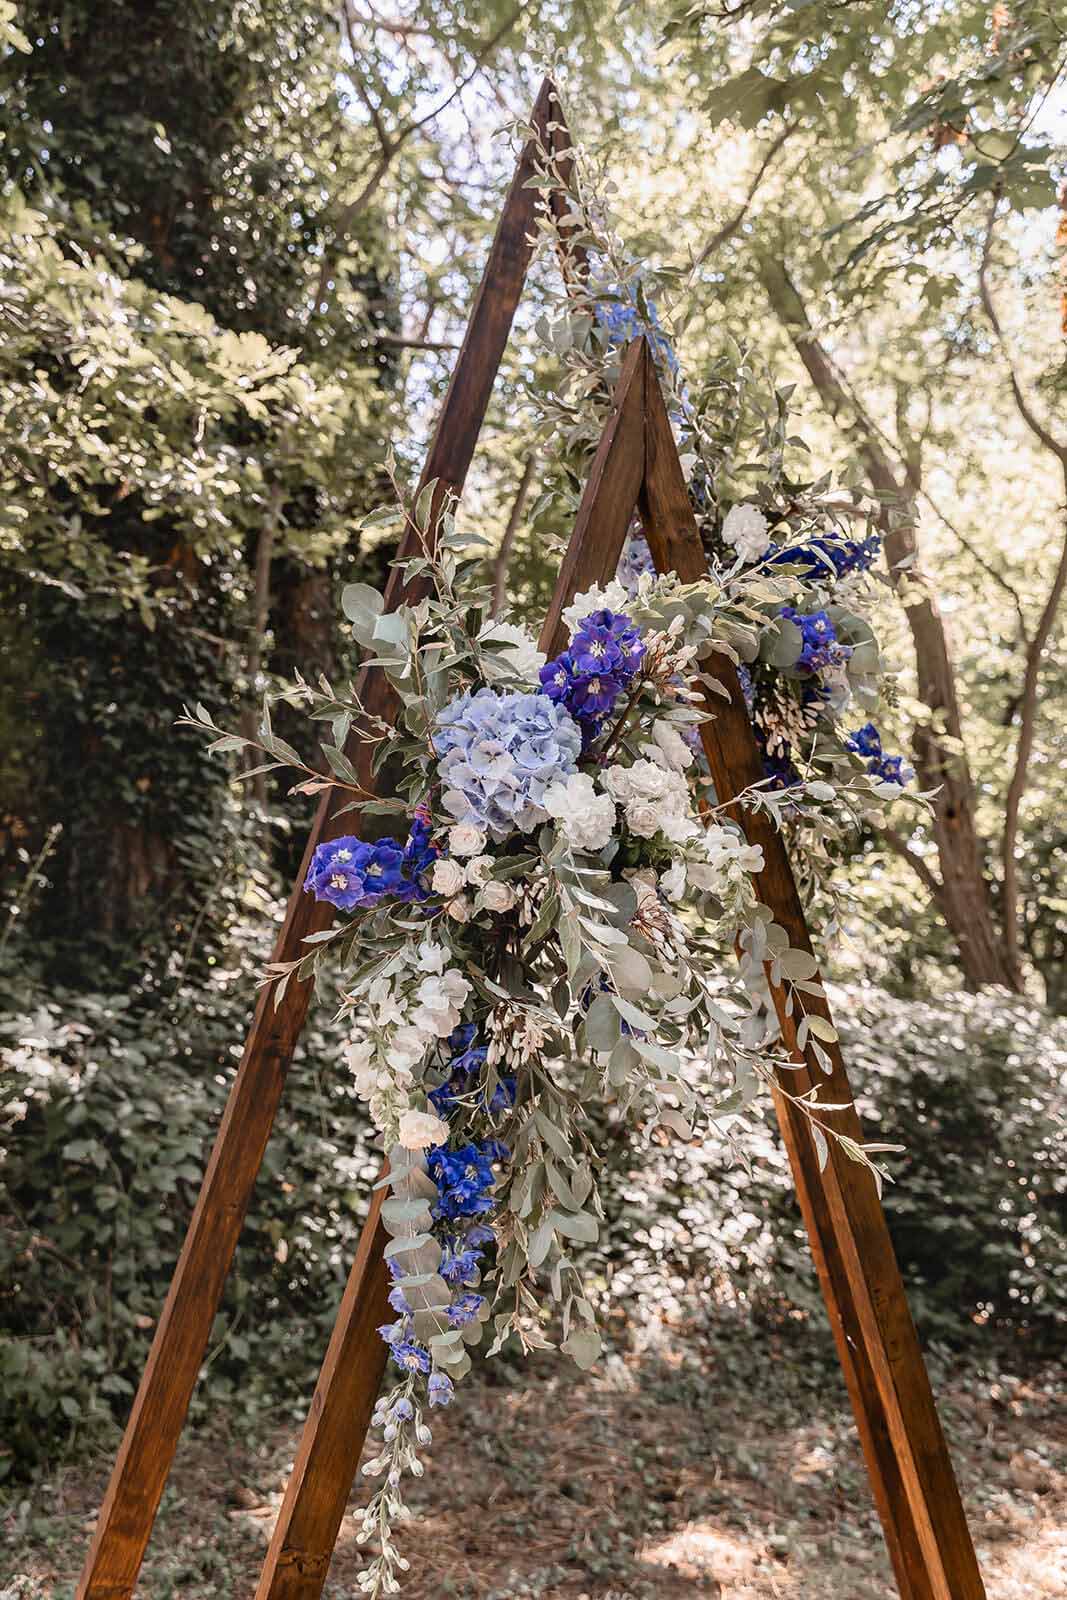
{"x": 238, "y": 244}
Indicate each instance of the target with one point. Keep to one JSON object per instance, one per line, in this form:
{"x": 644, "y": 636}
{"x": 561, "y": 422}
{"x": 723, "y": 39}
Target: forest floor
{"x": 725, "y": 1466}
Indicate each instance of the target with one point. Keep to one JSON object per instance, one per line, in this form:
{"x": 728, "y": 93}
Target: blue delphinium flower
{"x": 402, "y": 1409}
{"x": 464, "y": 1310}
{"x": 635, "y": 561}
{"x": 351, "y": 874}
{"x": 440, "y": 1389}
{"x": 820, "y": 647}
{"x": 594, "y": 671}
{"x": 459, "y": 1265}
{"x": 409, "y": 1356}
{"x": 464, "y": 1178}
{"x": 498, "y": 753}
{"x": 867, "y": 742}
{"x": 827, "y": 553}
{"x": 891, "y": 769}
{"x": 419, "y": 856}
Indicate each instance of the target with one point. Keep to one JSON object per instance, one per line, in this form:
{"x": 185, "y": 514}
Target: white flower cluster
{"x": 747, "y": 529}
{"x": 717, "y": 861}
{"x": 655, "y": 798}
{"x": 612, "y": 598}
{"x": 586, "y": 819}
{"x": 452, "y": 875}
{"x": 521, "y": 654}
{"x": 401, "y": 1015}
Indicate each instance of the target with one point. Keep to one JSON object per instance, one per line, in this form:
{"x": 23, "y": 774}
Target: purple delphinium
{"x": 351, "y": 874}
{"x": 594, "y": 671}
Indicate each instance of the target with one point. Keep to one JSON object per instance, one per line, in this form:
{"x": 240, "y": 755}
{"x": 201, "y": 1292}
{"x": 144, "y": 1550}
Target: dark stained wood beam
{"x": 907, "y": 1458}
{"x": 332, "y": 1441}
{"x": 159, "y": 1409}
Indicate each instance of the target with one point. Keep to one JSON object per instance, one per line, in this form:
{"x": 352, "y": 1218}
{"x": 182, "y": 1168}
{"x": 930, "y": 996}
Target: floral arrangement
{"x": 552, "y": 923}
{"x": 553, "y": 919}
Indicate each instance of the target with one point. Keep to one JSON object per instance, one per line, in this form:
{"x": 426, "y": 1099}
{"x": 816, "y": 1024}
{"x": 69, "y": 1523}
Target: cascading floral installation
{"x": 553, "y": 924}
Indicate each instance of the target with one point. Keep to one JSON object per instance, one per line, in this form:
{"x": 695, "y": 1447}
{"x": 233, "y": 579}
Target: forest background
{"x": 239, "y": 243}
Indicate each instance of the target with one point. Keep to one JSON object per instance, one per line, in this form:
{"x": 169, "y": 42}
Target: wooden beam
{"x": 332, "y": 1441}
{"x": 911, "y": 1472}
{"x": 159, "y": 1409}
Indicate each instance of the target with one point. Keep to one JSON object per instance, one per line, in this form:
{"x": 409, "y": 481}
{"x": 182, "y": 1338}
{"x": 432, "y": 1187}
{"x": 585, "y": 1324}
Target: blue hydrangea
{"x": 498, "y": 753}
{"x": 622, "y": 321}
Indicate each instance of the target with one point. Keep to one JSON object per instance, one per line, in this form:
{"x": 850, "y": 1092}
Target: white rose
{"x": 466, "y": 840}
{"x": 420, "y": 1129}
{"x": 459, "y": 909}
{"x": 497, "y": 896}
{"x": 478, "y": 870}
{"x": 586, "y": 818}
{"x": 642, "y": 819}
{"x": 672, "y": 747}
{"x": 746, "y": 528}
{"x": 448, "y": 877}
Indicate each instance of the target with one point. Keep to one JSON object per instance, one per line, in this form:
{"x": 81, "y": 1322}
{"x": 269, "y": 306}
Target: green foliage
{"x": 973, "y": 1090}
{"x": 109, "y": 1109}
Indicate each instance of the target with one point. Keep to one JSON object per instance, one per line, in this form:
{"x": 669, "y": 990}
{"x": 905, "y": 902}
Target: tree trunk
{"x": 940, "y": 758}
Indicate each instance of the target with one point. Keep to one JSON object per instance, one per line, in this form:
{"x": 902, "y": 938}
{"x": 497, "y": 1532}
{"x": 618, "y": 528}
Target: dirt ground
{"x": 729, "y": 1468}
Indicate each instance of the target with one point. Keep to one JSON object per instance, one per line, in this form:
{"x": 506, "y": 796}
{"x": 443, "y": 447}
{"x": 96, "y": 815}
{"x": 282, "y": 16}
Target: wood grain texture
{"x": 162, "y": 1400}
{"x": 911, "y": 1472}
{"x": 327, "y": 1460}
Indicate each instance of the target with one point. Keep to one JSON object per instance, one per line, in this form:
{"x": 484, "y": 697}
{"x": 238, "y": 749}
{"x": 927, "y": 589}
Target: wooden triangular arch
{"x": 636, "y": 467}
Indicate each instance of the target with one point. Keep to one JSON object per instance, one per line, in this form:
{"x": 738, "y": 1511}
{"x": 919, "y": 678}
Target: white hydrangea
{"x": 613, "y": 598}
{"x": 586, "y": 818}
{"x": 656, "y": 800}
{"x": 522, "y": 656}
{"x": 747, "y": 529}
